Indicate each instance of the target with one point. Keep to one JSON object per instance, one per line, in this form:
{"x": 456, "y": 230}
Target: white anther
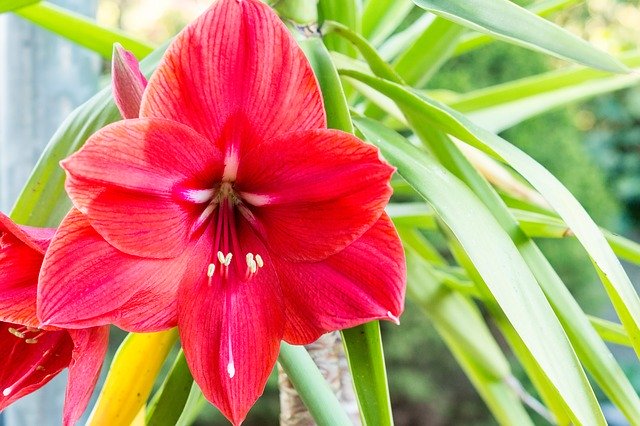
{"x": 211, "y": 270}
{"x": 251, "y": 263}
{"x": 16, "y": 333}
{"x": 259, "y": 261}
{"x": 6, "y": 392}
{"x": 227, "y": 259}
{"x": 221, "y": 257}
{"x": 231, "y": 370}
{"x": 31, "y": 341}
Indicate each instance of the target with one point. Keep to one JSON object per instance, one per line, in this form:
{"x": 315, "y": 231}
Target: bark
{"x": 329, "y": 356}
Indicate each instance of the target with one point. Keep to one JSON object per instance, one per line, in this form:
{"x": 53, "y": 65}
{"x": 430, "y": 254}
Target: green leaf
{"x": 195, "y": 403}
{"x": 380, "y": 18}
{"x": 508, "y": 277}
{"x": 81, "y": 30}
{"x": 499, "y": 107}
{"x": 510, "y": 22}
{"x": 611, "y": 332}
{"x": 332, "y": 94}
{"x": 462, "y": 327}
{"x": 363, "y": 347}
{"x": 543, "y": 8}
{"x": 311, "y": 386}
{"x": 11, "y": 5}
{"x": 429, "y": 52}
{"x": 343, "y": 11}
{"x": 169, "y": 401}
{"x": 616, "y": 282}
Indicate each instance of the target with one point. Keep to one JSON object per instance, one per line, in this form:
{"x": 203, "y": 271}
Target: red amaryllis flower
{"x": 227, "y": 208}
{"x": 32, "y": 356}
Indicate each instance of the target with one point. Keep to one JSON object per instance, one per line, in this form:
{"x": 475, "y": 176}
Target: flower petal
{"x": 89, "y": 349}
{"x": 19, "y": 269}
{"x": 365, "y": 281}
{"x": 36, "y": 238}
{"x": 313, "y": 192}
{"x": 29, "y": 366}
{"x": 231, "y": 330}
{"x": 128, "y": 83}
{"x": 133, "y": 179}
{"x": 237, "y": 59}
{"x": 21, "y": 254}
{"x": 87, "y": 282}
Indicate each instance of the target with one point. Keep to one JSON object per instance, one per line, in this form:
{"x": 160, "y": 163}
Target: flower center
{"x": 30, "y": 336}
{"x": 223, "y": 204}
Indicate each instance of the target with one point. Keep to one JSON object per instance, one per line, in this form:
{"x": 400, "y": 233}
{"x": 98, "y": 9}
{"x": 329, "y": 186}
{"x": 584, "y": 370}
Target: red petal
{"x": 232, "y": 328}
{"x": 36, "y": 238}
{"x": 89, "y": 350}
{"x": 21, "y": 254}
{"x": 29, "y": 366}
{"x": 131, "y": 178}
{"x": 19, "y": 269}
{"x": 365, "y": 281}
{"x": 237, "y": 59}
{"x": 128, "y": 83}
{"x": 314, "y": 192}
{"x": 87, "y": 282}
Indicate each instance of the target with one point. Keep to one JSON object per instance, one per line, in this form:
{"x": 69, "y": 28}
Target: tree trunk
{"x": 328, "y": 354}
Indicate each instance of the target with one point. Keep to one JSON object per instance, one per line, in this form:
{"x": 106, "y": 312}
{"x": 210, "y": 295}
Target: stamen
{"x": 16, "y": 333}
{"x": 259, "y": 261}
{"x": 211, "y": 270}
{"x": 31, "y": 341}
{"x": 6, "y": 392}
{"x": 231, "y": 369}
{"x": 227, "y": 259}
{"x": 221, "y": 257}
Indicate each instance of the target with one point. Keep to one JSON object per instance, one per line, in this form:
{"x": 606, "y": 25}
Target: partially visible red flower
{"x": 228, "y": 208}
{"x": 32, "y": 356}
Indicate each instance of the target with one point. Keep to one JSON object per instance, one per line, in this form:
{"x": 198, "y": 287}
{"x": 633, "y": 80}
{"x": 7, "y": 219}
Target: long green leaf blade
{"x": 508, "y": 21}
{"x": 543, "y": 9}
{"x": 169, "y": 401}
{"x": 81, "y": 29}
{"x": 508, "y": 277}
{"x": 363, "y": 347}
{"x": 380, "y": 18}
{"x": 460, "y": 324}
{"x": 11, "y": 5}
{"x": 616, "y": 282}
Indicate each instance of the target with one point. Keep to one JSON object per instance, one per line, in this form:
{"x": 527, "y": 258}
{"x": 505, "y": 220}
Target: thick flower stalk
{"x": 32, "y": 355}
{"x": 227, "y": 208}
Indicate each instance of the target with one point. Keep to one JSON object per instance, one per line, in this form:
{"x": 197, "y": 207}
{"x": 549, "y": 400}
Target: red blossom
{"x": 227, "y": 208}
{"x": 33, "y": 356}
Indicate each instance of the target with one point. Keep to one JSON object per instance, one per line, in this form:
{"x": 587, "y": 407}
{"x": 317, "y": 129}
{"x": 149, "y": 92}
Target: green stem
{"x": 312, "y": 387}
